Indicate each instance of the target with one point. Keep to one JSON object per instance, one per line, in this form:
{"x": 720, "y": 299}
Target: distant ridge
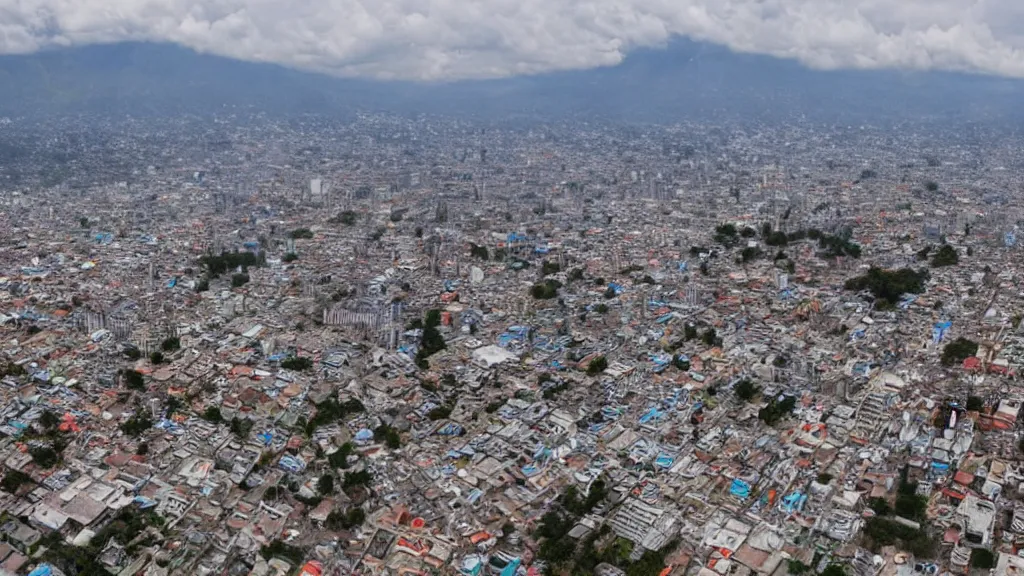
{"x": 685, "y": 81}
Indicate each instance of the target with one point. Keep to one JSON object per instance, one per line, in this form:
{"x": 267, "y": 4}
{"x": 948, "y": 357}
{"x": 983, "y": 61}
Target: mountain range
{"x": 684, "y": 81}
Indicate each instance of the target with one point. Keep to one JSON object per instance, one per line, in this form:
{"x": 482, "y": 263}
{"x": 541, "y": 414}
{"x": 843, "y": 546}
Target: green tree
{"x": 359, "y": 478}
{"x": 888, "y": 286}
{"x": 137, "y": 424}
{"x": 48, "y": 420}
{"x": 958, "y": 350}
{"x": 834, "y": 570}
{"x": 13, "y": 480}
{"x": 339, "y": 458}
{"x": 549, "y": 268}
{"x": 798, "y": 568}
{"x": 170, "y": 344}
{"x": 297, "y": 363}
{"x": 241, "y": 427}
{"x": 945, "y": 256}
{"x": 746, "y": 390}
{"x": 44, "y": 456}
{"x": 388, "y": 435}
{"x": 212, "y": 414}
{"x": 597, "y": 365}
{"x": 325, "y": 485}
{"x": 983, "y": 559}
{"x": 545, "y": 290}
{"x": 880, "y": 506}
{"x": 975, "y": 404}
{"x": 726, "y": 234}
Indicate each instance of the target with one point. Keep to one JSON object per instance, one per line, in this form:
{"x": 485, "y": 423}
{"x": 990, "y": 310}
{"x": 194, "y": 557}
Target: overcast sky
{"x": 451, "y": 39}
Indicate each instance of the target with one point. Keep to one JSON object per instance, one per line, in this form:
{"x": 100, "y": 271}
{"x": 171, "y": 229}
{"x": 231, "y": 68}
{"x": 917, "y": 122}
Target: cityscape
{"x": 242, "y": 343}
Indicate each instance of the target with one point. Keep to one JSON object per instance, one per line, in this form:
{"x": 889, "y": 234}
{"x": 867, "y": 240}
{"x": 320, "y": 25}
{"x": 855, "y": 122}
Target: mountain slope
{"x": 685, "y": 81}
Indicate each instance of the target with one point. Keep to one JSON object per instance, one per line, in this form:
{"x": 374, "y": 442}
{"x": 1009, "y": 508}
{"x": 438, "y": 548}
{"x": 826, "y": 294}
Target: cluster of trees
{"x": 777, "y": 409}
{"x": 137, "y": 423}
{"x": 545, "y": 290}
{"x": 297, "y": 363}
{"x": 290, "y": 257}
{"x": 975, "y": 404}
{"x": 330, "y": 411}
{"x": 478, "y": 252}
{"x": 239, "y": 279}
{"x": 958, "y": 350}
{"x": 726, "y": 234}
{"x": 749, "y": 254}
{"x": 347, "y": 217}
{"x": 835, "y": 246}
{"x": 338, "y": 520}
{"x": 440, "y": 412}
{"x": 277, "y": 549}
{"x": 358, "y": 478}
{"x": 883, "y": 530}
{"x": 240, "y": 427}
{"x": 133, "y": 379}
{"x": 548, "y": 268}
{"x": 339, "y": 458}
{"x": 746, "y": 390}
{"x": 432, "y": 342}
{"x": 888, "y": 286}
{"x": 212, "y": 414}
{"x": 301, "y": 234}
{"x": 579, "y": 505}
{"x": 388, "y": 435}
{"x": 129, "y": 523}
{"x": 170, "y": 344}
{"x": 831, "y": 246}
{"x": 217, "y": 265}
{"x": 557, "y": 546}
{"x": 597, "y": 365}
{"x": 710, "y": 338}
{"x": 945, "y": 256}
{"x": 13, "y": 480}
{"x": 46, "y": 456}
{"x": 569, "y": 556}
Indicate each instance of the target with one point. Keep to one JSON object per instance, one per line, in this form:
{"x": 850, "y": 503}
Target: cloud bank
{"x": 454, "y": 39}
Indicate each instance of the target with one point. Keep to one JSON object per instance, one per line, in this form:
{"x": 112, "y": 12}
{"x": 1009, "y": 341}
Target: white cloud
{"x": 445, "y": 39}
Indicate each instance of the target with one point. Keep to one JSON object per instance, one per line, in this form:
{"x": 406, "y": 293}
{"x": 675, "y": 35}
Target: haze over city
{"x": 495, "y": 288}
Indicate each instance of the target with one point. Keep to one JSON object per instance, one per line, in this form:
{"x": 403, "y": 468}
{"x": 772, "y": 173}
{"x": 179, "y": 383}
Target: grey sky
{"x": 449, "y": 39}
